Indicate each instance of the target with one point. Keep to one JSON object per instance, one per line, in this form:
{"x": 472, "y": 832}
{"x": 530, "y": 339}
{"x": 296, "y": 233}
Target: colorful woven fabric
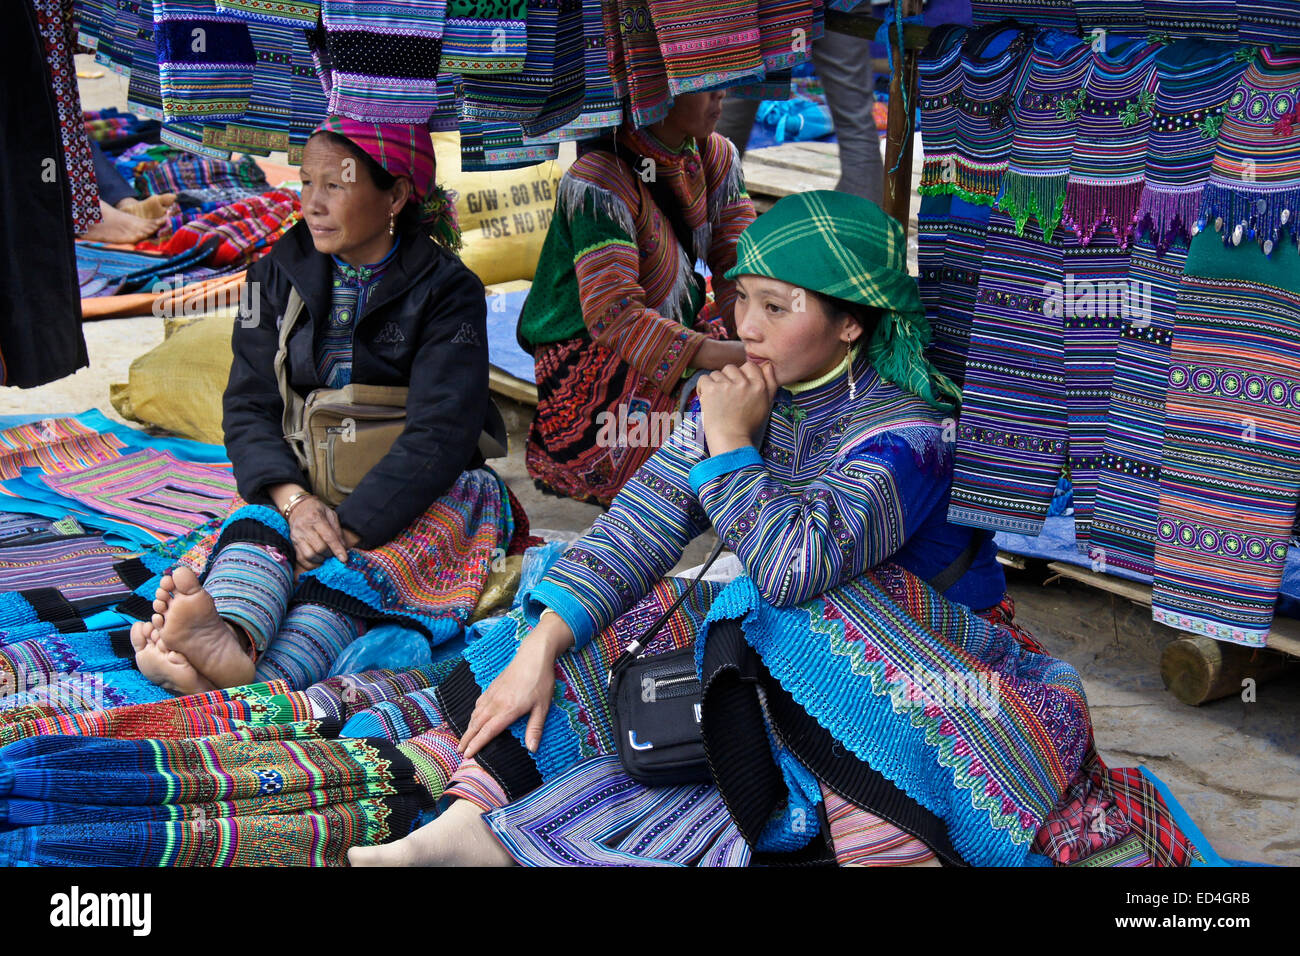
{"x": 264, "y": 128}
{"x": 294, "y": 14}
{"x": 485, "y": 36}
{"x": 1012, "y": 433}
{"x": 54, "y": 21}
{"x": 619, "y": 823}
{"x": 185, "y": 172}
{"x": 308, "y": 102}
{"x": 213, "y": 801}
{"x": 115, "y": 47}
{"x": 601, "y": 108}
{"x": 861, "y": 838}
{"x": 710, "y": 46}
{"x": 994, "y": 66}
{"x": 1047, "y": 13}
{"x": 384, "y": 58}
{"x": 1215, "y": 19}
{"x": 241, "y": 231}
{"x": 553, "y": 65}
{"x": 646, "y": 74}
{"x": 205, "y": 61}
{"x": 144, "y": 94}
{"x": 1120, "y": 16}
{"x": 1228, "y": 476}
{"x": 622, "y": 315}
{"x": 317, "y": 838}
{"x": 1264, "y": 22}
{"x": 1194, "y": 82}
{"x": 1034, "y": 184}
{"x": 1106, "y": 179}
{"x": 1228, "y": 480}
{"x": 940, "y": 91}
{"x": 56, "y": 446}
{"x": 81, "y": 566}
{"x": 196, "y": 715}
{"x": 151, "y": 489}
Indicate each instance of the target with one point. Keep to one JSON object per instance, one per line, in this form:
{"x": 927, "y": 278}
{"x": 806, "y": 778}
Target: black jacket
{"x": 425, "y": 326}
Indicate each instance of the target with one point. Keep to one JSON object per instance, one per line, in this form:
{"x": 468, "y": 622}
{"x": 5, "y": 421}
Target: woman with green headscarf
{"x": 865, "y": 694}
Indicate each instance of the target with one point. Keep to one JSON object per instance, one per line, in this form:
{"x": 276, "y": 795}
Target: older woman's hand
{"x": 316, "y": 534}
{"x": 735, "y": 403}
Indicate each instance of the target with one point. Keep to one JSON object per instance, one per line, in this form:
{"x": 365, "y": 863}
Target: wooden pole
{"x": 898, "y": 144}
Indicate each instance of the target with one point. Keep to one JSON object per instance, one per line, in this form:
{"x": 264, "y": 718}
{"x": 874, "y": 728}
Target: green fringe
{"x": 897, "y": 352}
{"x": 438, "y": 212}
{"x": 1024, "y": 197}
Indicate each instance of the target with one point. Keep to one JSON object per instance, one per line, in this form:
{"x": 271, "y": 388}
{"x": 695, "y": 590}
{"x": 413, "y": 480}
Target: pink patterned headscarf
{"x": 404, "y": 151}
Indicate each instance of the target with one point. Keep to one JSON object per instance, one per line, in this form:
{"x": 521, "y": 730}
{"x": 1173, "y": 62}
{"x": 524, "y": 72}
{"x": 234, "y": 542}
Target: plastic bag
{"x": 387, "y": 646}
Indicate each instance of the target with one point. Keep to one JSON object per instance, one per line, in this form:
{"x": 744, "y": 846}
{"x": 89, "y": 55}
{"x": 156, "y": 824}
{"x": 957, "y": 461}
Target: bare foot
{"x": 166, "y": 668}
{"x": 459, "y": 837}
{"x": 119, "y": 226}
{"x": 153, "y": 207}
{"x": 191, "y": 626}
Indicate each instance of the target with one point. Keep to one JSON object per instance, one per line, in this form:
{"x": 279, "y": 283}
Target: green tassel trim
{"x": 1026, "y": 197}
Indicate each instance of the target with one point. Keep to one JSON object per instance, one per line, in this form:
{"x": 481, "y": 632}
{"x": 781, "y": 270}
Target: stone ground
{"x": 1234, "y": 765}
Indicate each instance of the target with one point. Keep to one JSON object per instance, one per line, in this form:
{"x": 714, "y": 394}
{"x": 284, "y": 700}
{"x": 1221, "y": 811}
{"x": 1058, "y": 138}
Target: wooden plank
{"x": 817, "y": 146}
{"x": 1284, "y": 634}
{"x": 915, "y": 35}
{"x": 767, "y": 180}
{"x": 1008, "y": 560}
{"x": 503, "y": 383}
{"x": 790, "y": 156}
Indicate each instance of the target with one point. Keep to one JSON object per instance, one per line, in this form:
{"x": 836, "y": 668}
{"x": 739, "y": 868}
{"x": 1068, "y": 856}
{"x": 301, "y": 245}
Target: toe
{"x": 166, "y": 586}
{"x": 138, "y": 640}
{"x": 187, "y": 582}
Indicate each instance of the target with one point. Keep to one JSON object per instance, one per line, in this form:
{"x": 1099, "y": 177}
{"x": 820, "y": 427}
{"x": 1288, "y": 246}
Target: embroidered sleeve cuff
{"x": 547, "y": 595}
{"x": 723, "y": 464}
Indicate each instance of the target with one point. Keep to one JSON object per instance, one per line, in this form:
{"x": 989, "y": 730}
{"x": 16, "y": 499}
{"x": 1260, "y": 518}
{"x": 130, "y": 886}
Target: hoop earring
{"x": 853, "y": 386}
{"x": 390, "y": 223}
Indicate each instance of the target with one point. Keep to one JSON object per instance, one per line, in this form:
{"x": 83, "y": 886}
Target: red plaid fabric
{"x": 247, "y": 228}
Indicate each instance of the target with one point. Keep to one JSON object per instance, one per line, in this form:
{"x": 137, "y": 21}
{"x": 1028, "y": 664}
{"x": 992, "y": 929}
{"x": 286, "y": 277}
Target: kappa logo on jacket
{"x": 465, "y": 335}
{"x": 390, "y": 334}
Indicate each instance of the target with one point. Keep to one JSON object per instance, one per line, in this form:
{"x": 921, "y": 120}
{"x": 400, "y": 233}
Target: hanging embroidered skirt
{"x": 994, "y": 65}
{"x": 1101, "y": 202}
{"x": 1194, "y": 82}
{"x": 1012, "y": 435}
{"x": 1213, "y": 19}
{"x": 940, "y": 88}
{"x": 1230, "y": 475}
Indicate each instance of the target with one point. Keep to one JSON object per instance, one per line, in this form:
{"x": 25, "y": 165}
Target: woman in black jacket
{"x": 384, "y": 304}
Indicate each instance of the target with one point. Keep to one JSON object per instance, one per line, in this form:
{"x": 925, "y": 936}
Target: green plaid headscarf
{"x": 845, "y": 247}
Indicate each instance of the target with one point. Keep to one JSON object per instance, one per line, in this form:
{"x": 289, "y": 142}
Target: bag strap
{"x": 636, "y": 647}
{"x": 293, "y": 404}
{"x": 953, "y": 572}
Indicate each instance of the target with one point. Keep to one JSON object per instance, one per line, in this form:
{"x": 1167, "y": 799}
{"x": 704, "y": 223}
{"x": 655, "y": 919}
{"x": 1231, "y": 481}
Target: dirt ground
{"x": 1234, "y": 765}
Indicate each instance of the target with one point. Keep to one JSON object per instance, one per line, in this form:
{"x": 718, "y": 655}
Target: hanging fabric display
{"x": 306, "y": 97}
{"x": 1229, "y": 479}
{"x": 647, "y": 76}
{"x": 940, "y": 71}
{"x": 601, "y": 110}
{"x": 994, "y": 66}
{"x": 485, "y": 36}
{"x": 1264, "y": 22}
{"x": 715, "y": 47}
{"x": 205, "y": 61}
{"x": 1194, "y": 81}
{"x": 383, "y": 62}
{"x": 1213, "y": 19}
{"x": 1012, "y": 435}
{"x": 1058, "y": 14}
{"x": 143, "y": 95}
{"x": 1101, "y": 201}
{"x": 1118, "y": 16}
